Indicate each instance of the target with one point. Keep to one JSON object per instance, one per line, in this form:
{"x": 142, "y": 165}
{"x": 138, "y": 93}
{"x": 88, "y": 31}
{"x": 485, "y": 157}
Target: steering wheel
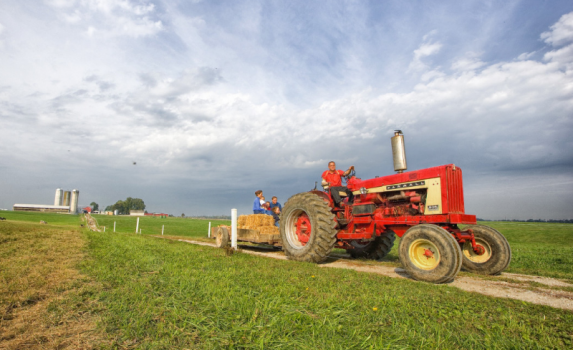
{"x": 350, "y": 174}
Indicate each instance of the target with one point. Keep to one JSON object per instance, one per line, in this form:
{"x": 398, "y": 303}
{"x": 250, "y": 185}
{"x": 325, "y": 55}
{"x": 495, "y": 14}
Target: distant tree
{"x": 123, "y": 207}
{"x": 183, "y": 215}
{"x": 95, "y": 206}
{"x": 109, "y": 208}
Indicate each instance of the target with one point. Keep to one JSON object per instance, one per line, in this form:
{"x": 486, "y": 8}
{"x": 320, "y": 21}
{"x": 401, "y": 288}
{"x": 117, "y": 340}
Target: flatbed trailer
{"x": 222, "y": 236}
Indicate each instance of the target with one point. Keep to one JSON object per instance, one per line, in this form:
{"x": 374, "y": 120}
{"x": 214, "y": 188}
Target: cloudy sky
{"x": 216, "y": 99}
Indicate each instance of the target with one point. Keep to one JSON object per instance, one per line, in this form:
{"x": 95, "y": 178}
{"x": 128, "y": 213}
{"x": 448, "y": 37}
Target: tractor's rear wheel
{"x": 376, "y": 249}
{"x": 307, "y": 228}
{"x": 497, "y": 252}
{"x": 430, "y": 253}
{"x": 222, "y": 237}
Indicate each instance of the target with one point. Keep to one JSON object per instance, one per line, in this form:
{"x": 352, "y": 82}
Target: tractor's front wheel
{"x": 307, "y": 228}
{"x": 496, "y": 251}
{"x": 430, "y": 253}
{"x": 376, "y": 249}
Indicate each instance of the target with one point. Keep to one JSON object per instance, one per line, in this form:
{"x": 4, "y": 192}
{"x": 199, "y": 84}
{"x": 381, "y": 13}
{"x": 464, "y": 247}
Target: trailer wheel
{"x": 430, "y": 253}
{"x": 222, "y": 238}
{"x": 375, "y": 250}
{"x": 307, "y": 228}
{"x": 496, "y": 256}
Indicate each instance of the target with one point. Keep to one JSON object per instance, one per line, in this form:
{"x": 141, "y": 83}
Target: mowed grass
{"x": 35, "y": 217}
{"x": 168, "y": 294}
{"x": 149, "y": 225}
{"x": 538, "y": 248}
{"x": 43, "y": 299}
{"x": 156, "y": 294}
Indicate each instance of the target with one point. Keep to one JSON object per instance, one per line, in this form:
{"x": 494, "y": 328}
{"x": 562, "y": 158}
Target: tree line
{"x": 123, "y": 207}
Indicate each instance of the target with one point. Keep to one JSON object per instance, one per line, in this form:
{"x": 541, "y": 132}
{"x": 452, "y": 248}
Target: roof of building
{"x": 42, "y": 206}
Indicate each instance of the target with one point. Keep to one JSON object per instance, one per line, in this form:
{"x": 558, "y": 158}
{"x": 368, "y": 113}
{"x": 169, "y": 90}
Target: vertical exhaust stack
{"x": 74, "y": 202}
{"x": 399, "y": 152}
{"x": 58, "y": 198}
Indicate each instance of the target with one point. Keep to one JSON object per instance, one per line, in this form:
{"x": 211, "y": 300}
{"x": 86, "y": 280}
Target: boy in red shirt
{"x": 333, "y": 178}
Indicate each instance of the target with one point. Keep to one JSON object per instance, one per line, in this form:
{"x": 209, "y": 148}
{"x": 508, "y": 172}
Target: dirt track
{"x": 508, "y": 285}
{"x": 92, "y": 224}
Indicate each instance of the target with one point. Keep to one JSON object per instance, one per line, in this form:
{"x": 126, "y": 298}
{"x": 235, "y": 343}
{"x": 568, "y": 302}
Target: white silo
{"x": 58, "y": 199}
{"x": 74, "y": 202}
{"x": 66, "y": 200}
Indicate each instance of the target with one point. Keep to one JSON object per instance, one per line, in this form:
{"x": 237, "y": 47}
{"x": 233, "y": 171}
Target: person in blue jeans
{"x": 276, "y": 212}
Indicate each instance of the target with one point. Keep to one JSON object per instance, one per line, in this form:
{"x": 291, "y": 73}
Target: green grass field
{"x": 50, "y": 218}
{"x": 152, "y": 225}
{"x": 156, "y": 294}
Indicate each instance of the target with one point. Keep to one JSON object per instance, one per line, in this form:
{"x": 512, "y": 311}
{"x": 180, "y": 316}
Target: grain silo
{"x": 58, "y": 199}
{"x": 67, "y": 197}
{"x": 74, "y": 202}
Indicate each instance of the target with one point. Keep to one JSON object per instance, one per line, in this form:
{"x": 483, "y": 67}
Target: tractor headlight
{"x": 363, "y": 190}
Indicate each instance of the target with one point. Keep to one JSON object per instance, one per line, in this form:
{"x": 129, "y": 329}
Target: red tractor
{"x": 424, "y": 208}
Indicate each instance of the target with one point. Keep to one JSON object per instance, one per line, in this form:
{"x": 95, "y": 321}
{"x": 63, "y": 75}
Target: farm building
{"x": 161, "y": 215}
{"x": 137, "y": 212}
{"x": 64, "y": 202}
{"x": 42, "y": 208}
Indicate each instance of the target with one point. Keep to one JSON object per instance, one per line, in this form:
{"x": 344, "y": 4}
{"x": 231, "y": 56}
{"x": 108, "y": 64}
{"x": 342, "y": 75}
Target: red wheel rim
{"x": 303, "y": 228}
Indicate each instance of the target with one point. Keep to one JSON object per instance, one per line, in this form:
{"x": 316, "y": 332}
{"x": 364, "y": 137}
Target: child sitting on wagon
{"x": 275, "y": 212}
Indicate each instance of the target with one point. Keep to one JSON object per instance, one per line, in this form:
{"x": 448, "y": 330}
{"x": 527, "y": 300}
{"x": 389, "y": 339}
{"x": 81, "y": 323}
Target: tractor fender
{"x": 323, "y": 195}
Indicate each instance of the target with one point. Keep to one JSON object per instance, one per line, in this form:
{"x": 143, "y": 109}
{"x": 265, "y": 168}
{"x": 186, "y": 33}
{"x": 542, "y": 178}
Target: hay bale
{"x": 272, "y": 230}
{"x": 259, "y": 222}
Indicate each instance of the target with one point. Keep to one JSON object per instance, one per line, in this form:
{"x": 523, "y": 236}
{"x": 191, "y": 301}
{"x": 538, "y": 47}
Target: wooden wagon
{"x": 222, "y": 236}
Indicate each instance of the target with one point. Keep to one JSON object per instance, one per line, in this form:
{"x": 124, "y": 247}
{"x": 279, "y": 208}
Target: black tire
{"x": 375, "y": 250}
{"x": 445, "y": 260}
{"x": 322, "y": 228}
{"x": 222, "y": 238}
{"x": 497, "y": 254}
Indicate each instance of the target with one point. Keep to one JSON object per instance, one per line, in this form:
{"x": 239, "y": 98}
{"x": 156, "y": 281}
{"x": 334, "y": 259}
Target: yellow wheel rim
{"x": 424, "y": 254}
{"x": 472, "y": 256}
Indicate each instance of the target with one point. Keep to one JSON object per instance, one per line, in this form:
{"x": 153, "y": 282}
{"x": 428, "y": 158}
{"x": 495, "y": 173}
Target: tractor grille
{"x": 364, "y": 209}
{"x": 455, "y": 190}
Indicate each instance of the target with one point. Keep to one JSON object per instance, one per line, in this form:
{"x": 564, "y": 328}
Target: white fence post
{"x": 137, "y": 226}
{"x": 209, "y": 232}
{"x": 162, "y": 228}
{"x": 104, "y": 229}
{"x": 234, "y": 229}
{"x": 114, "y": 226}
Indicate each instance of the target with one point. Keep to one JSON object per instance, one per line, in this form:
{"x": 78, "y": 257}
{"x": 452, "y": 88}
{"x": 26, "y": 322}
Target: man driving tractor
{"x": 332, "y": 179}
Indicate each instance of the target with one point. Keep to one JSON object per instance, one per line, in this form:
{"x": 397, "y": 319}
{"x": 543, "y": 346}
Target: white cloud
{"x": 561, "y": 32}
{"x": 526, "y": 55}
{"x": 111, "y": 17}
{"x": 1, "y": 39}
{"x": 467, "y": 63}
{"x": 563, "y": 57}
{"x": 61, "y": 3}
{"x": 425, "y": 50}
